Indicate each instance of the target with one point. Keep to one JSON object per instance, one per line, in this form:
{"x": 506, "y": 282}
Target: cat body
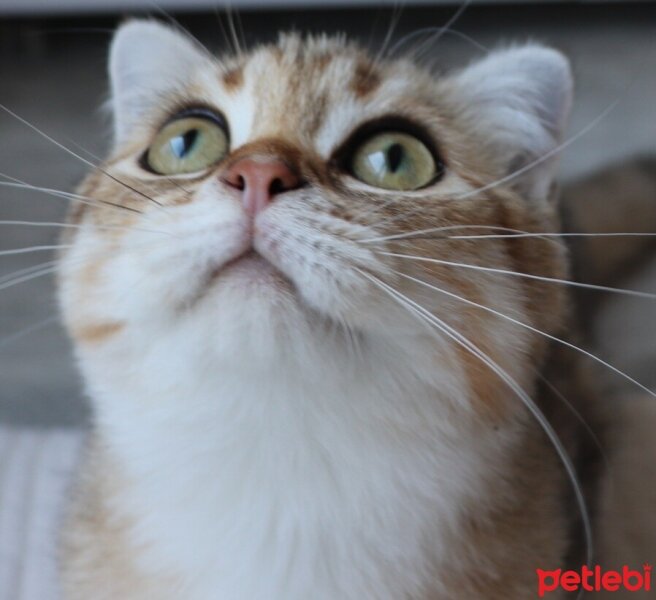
{"x": 273, "y": 420}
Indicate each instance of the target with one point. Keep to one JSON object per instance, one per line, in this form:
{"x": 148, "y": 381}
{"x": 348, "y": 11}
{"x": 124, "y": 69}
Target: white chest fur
{"x": 344, "y": 480}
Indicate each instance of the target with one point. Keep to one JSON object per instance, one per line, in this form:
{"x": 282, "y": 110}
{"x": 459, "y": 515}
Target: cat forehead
{"x": 312, "y": 90}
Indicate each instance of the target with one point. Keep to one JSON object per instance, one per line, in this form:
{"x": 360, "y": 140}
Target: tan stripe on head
{"x": 365, "y": 80}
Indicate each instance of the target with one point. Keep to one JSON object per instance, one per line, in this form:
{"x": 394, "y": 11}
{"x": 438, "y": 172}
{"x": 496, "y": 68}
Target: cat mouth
{"x": 250, "y": 255}
{"x": 252, "y": 268}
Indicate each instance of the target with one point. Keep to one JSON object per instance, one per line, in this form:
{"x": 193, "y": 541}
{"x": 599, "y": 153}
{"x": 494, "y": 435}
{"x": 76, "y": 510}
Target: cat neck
{"x": 362, "y": 457}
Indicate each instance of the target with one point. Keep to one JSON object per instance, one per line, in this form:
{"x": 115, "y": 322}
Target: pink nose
{"x": 260, "y": 181}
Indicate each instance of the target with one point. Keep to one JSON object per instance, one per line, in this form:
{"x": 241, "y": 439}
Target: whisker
{"x": 589, "y": 286}
{"x": 225, "y": 35}
{"x": 240, "y": 28}
{"x": 516, "y": 233}
{"x": 547, "y": 155}
{"x": 544, "y": 235}
{"x": 425, "y": 30}
{"x": 425, "y": 232}
{"x": 529, "y": 327}
{"x": 33, "y": 272}
{"x": 99, "y": 159}
{"x": 37, "y": 224}
{"x": 394, "y": 22}
{"x": 81, "y": 158}
{"x": 29, "y": 250}
{"x": 18, "y": 184}
{"x": 230, "y": 17}
{"x": 75, "y": 226}
{"x": 14, "y": 337}
{"x": 513, "y": 385}
{"x": 433, "y": 39}
{"x": 175, "y": 24}
{"x": 593, "y": 436}
{"x": 16, "y": 277}
{"x": 20, "y": 272}
{"x": 30, "y": 277}
{"x": 539, "y": 160}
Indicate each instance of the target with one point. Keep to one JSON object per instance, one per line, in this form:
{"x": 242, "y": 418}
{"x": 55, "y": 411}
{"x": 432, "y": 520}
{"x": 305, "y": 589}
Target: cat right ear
{"x": 148, "y": 61}
{"x": 517, "y": 101}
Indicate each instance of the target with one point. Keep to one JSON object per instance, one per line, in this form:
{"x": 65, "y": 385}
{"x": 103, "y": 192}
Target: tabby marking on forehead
{"x": 365, "y": 80}
{"x": 233, "y": 79}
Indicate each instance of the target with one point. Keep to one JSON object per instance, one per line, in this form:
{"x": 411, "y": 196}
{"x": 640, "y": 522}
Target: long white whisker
{"x": 31, "y": 249}
{"x": 420, "y": 232}
{"x": 556, "y": 392}
{"x": 20, "y": 272}
{"x": 74, "y": 154}
{"x": 233, "y": 30}
{"x": 60, "y": 194}
{"x": 100, "y": 160}
{"x": 14, "y": 337}
{"x": 588, "y": 286}
{"x": 553, "y": 235}
{"x": 515, "y": 233}
{"x": 39, "y": 224}
{"x": 26, "y": 278}
{"x": 24, "y": 275}
{"x": 529, "y": 327}
{"x": 404, "y": 40}
{"x": 394, "y": 21}
{"x": 74, "y": 226}
{"x": 514, "y": 386}
{"x": 546, "y": 155}
{"x": 433, "y": 39}
{"x": 175, "y": 24}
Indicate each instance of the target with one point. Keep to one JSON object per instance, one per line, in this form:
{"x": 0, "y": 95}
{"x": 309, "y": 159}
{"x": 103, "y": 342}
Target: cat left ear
{"x": 517, "y": 101}
{"x": 148, "y": 61}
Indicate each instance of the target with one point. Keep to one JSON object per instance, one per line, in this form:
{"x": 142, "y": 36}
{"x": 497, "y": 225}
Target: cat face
{"x": 285, "y": 190}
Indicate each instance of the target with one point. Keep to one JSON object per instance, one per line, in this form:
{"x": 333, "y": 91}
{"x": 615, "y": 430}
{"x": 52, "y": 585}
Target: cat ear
{"x": 147, "y": 61}
{"x": 518, "y": 99}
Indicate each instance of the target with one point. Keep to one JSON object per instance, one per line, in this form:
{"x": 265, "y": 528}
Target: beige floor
{"x": 56, "y": 81}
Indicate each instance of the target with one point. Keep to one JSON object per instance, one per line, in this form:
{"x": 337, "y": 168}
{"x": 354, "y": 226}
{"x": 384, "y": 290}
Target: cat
{"x": 315, "y": 371}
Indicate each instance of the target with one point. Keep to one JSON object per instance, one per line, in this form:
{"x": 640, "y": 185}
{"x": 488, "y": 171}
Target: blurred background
{"x": 53, "y": 74}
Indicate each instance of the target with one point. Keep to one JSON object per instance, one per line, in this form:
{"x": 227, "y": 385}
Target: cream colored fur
{"x": 283, "y": 429}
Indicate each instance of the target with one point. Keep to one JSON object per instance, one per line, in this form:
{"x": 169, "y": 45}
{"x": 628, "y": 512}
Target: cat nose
{"x": 259, "y": 181}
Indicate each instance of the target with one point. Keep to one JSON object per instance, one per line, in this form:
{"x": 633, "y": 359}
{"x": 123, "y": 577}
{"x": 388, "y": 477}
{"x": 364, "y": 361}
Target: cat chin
{"x": 261, "y": 287}
{"x": 252, "y": 271}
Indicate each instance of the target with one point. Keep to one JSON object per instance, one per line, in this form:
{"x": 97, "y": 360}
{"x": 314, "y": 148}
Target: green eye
{"x": 186, "y": 145}
{"x": 394, "y": 161}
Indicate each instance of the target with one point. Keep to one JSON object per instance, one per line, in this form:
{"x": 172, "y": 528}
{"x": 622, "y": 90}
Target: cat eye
{"x": 189, "y": 143}
{"x": 394, "y": 160}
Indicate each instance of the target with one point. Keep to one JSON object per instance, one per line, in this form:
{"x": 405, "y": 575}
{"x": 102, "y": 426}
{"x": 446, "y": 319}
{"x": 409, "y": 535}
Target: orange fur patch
{"x": 93, "y": 334}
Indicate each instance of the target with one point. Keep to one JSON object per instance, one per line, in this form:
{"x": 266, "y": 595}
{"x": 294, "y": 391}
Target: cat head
{"x": 277, "y": 191}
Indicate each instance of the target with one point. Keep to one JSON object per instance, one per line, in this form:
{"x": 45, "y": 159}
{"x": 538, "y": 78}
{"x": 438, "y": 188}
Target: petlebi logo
{"x": 594, "y": 579}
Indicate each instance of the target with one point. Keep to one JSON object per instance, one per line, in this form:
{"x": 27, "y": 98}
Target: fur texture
{"x": 278, "y": 426}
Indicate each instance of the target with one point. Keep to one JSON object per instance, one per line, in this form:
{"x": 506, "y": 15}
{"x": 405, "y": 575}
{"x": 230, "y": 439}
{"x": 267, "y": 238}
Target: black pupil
{"x": 182, "y": 144}
{"x": 394, "y": 157}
